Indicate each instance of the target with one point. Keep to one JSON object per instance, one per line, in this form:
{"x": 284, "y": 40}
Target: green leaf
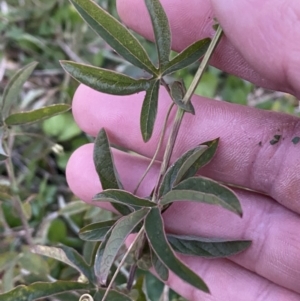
{"x": 111, "y": 296}
{"x": 138, "y": 289}
{"x": 13, "y": 89}
{"x": 187, "y": 57}
{"x": 40, "y": 290}
{"x": 161, "y": 29}
{"x": 36, "y": 115}
{"x": 67, "y": 255}
{"x": 160, "y": 268}
{"x": 99, "y": 253}
{"x": 204, "y": 190}
{"x": 3, "y": 154}
{"x": 156, "y": 235}
{"x": 207, "y": 247}
{"x": 122, "y": 197}
{"x": 121, "y": 230}
{"x": 176, "y": 171}
{"x": 96, "y": 231}
{"x": 177, "y": 91}
{"x": 104, "y": 80}
{"x": 114, "y": 33}
{"x": 74, "y": 207}
{"x": 204, "y": 159}
{"x": 149, "y": 111}
{"x": 105, "y": 168}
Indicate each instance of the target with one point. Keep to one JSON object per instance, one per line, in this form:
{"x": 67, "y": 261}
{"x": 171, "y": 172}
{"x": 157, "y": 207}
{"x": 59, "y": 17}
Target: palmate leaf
{"x": 36, "y": 115}
{"x": 121, "y": 230}
{"x": 96, "y": 231}
{"x": 105, "y": 168}
{"x": 177, "y": 91}
{"x": 114, "y": 33}
{"x": 161, "y": 29}
{"x": 172, "y": 175}
{"x": 67, "y": 255}
{"x": 104, "y": 80}
{"x": 187, "y": 57}
{"x": 12, "y": 90}
{"x": 149, "y": 111}
{"x": 156, "y": 236}
{"x": 188, "y": 165}
{"x": 122, "y": 197}
{"x": 40, "y": 290}
{"x": 204, "y": 190}
{"x": 206, "y": 247}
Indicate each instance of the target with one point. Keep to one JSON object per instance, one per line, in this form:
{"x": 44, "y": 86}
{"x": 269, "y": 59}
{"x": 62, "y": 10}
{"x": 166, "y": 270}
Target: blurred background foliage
{"x": 46, "y": 32}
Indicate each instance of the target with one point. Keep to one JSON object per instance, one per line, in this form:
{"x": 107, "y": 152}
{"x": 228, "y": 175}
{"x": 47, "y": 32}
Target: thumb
{"x": 265, "y": 34}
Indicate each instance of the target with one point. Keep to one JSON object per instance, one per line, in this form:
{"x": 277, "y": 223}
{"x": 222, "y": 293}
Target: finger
{"x": 245, "y": 156}
{"x": 256, "y": 47}
{"x": 274, "y": 253}
{"x": 227, "y": 281}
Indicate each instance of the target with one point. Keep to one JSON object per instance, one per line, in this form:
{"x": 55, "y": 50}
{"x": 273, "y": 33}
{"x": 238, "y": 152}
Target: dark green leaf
{"x": 156, "y": 235}
{"x": 114, "y": 33}
{"x": 42, "y": 290}
{"x": 3, "y": 154}
{"x": 204, "y": 190}
{"x": 96, "y": 231}
{"x": 204, "y": 159}
{"x": 161, "y": 29}
{"x": 13, "y": 89}
{"x": 177, "y": 90}
{"x": 67, "y": 255}
{"x": 207, "y": 247}
{"x": 149, "y": 110}
{"x": 121, "y": 230}
{"x": 112, "y": 296}
{"x": 160, "y": 268}
{"x": 36, "y": 115}
{"x": 99, "y": 253}
{"x": 174, "y": 172}
{"x": 104, "y": 80}
{"x": 187, "y": 57}
{"x": 105, "y": 168}
{"x": 122, "y": 197}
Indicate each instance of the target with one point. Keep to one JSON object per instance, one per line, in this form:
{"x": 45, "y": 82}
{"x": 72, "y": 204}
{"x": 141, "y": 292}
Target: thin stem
{"x": 186, "y": 99}
{"x": 16, "y": 198}
{"x": 161, "y": 139}
{"x": 122, "y": 262}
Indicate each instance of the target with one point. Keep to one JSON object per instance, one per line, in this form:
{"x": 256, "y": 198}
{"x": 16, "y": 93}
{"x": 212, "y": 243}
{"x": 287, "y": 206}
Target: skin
{"x": 260, "y": 46}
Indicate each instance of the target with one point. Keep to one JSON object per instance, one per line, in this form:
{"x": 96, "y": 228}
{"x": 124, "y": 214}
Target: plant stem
{"x": 186, "y": 99}
{"x": 161, "y": 139}
{"x": 122, "y": 262}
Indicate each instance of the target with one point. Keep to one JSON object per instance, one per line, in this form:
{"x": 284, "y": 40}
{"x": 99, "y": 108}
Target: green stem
{"x": 186, "y": 99}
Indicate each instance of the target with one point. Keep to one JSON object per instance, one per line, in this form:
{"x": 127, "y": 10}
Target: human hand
{"x": 257, "y": 47}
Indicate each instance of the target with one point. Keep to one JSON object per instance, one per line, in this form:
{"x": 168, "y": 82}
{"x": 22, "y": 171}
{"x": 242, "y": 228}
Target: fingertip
{"x": 81, "y": 174}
